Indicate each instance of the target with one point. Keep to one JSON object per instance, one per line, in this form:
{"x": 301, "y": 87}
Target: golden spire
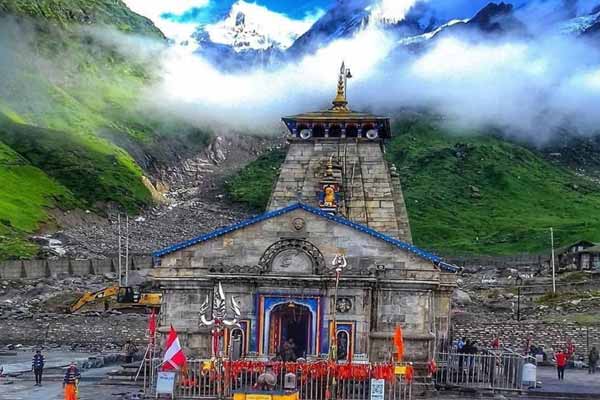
{"x": 340, "y": 103}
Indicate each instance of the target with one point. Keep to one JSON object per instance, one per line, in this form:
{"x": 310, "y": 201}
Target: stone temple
{"x": 335, "y": 195}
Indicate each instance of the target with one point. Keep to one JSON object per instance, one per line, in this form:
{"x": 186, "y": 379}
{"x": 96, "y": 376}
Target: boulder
{"x": 461, "y": 297}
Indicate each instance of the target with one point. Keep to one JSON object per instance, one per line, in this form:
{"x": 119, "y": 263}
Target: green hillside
{"x": 68, "y": 12}
{"x": 253, "y": 184}
{"x": 25, "y": 192}
{"x": 473, "y": 193}
{"x": 71, "y": 110}
{"x": 89, "y": 166}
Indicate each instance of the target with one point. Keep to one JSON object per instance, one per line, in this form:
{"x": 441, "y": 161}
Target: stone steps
{"x": 125, "y": 375}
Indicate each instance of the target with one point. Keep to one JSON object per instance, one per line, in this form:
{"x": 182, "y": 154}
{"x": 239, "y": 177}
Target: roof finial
{"x": 340, "y": 103}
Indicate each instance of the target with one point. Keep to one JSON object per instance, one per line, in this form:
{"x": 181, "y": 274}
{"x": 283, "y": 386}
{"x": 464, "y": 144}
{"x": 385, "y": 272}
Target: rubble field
{"x": 34, "y": 312}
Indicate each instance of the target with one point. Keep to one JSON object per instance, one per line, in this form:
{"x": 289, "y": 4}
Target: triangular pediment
{"x": 320, "y": 214}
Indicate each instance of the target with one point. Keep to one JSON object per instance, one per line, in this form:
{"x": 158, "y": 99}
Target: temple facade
{"x": 336, "y": 195}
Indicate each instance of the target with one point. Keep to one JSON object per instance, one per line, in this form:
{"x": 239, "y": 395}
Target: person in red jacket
{"x": 561, "y": 363}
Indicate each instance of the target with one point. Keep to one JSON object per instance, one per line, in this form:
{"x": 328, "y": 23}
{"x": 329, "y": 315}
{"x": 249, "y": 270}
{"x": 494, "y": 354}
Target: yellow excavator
{"x": 127, "y": 297}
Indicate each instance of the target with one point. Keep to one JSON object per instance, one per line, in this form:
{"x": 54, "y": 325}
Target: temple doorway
{"x": 290, "y": 321}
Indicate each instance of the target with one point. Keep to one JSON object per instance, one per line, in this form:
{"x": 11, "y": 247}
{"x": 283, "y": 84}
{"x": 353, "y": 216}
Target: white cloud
{"x": 257, "y": 99}
{"x": 529, "y": 86}
{"x": 392, "y": 10}
{"x": 153, "y": 9}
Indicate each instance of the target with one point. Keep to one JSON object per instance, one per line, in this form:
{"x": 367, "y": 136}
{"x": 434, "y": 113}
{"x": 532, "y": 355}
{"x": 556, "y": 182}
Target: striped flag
{"x": 174, "y": 357}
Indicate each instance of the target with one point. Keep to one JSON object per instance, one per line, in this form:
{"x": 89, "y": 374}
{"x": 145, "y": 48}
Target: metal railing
{"x": 493, "y": 370}
{"x": 201, "y": 382}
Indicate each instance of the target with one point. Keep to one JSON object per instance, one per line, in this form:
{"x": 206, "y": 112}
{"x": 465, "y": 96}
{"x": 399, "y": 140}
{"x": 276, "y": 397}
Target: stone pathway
{"x": 577, "y": 381}
{"x": 90, "y": 387}
{"x": 24, "y": 390}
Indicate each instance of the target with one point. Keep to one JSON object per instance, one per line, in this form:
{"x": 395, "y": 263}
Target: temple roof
{"x": 334, "y": 115}
{"x": 296, "y": 206}
{"x": 340, "y": 116}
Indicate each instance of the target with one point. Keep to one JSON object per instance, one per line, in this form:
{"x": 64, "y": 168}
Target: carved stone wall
{"x": 383, "y": 284}
{"x": 370, "y": 194}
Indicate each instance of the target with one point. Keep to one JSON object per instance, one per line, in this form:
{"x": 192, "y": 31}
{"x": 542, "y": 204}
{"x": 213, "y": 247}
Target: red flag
{"x": 410, "y": 373}
{"x": 399, "y": 342}
{"x": 152, "y": 326}
{"x": 174, "y": 357}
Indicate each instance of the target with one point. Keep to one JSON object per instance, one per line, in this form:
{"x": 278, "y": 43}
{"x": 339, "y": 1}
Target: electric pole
{"x": 552, "y": 260}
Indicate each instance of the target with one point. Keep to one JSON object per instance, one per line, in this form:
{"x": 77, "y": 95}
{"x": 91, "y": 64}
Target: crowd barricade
{"x": 494, "y": 370}
{"x": 314, "y": 380}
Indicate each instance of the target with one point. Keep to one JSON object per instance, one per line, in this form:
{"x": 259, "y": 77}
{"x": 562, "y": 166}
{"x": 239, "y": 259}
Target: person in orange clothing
{"x": 70, "y": 382}
{"x": 561, "y": 364}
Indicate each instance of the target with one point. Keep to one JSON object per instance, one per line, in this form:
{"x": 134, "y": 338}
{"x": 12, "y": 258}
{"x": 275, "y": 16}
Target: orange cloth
{"x": 399, "y": 342}
{"x": 70, "y": 391}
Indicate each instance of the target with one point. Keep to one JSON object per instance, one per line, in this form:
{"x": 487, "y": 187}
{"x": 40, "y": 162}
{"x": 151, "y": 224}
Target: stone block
{"x": 11, "y": 269}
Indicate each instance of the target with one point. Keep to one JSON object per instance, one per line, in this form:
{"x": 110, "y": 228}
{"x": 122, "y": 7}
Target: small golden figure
{"x": 329, "y": 198}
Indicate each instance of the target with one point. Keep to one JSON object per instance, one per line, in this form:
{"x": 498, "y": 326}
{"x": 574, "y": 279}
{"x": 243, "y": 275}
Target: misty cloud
{"x": 529, "y": 86}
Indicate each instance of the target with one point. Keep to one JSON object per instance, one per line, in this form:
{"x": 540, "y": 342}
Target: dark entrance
{"x": 290, "y": 320}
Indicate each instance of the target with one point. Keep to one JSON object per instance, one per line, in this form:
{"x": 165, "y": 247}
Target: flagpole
{"x": 142, "y": 363}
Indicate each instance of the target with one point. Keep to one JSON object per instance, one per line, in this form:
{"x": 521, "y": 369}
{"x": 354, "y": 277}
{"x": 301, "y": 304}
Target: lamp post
{"x": 219, "y": 322}
{"x": 338, "y": 264}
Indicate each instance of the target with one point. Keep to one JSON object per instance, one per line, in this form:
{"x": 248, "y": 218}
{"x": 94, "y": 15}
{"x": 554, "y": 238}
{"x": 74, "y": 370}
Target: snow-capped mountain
{"x": 341, "y": 21}
{"x": 415, "y": 40}
{"x": 492, "y": 20}
{"x": 582, "y": 25}
{"x": 249, "y": 26}
{"x": 348, "y": 17}
{"x": 252, "y": 36}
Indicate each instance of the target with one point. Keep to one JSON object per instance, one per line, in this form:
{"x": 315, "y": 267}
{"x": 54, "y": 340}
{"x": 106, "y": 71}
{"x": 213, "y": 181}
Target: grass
{"x": 88, "y": 166}
{"x": 68, "y": 12}
{"x": 469, "y": 192}
{"x": 474, "y": 193}
{"x": 253, "y": 185}
{"x": 26, "y": 193}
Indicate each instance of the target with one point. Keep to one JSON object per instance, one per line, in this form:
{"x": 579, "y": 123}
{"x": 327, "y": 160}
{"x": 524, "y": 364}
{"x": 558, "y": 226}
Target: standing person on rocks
{"x": 129, "y": 349}
{"x": 70, "y": 382}
{"x": 37, "y": 365}
{"x": 593, "y": 360}
{"x": 561, "y": 364}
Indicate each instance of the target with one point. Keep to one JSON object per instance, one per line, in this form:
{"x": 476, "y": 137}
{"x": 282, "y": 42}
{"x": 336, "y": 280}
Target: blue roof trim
{"x": 340, "y": 220}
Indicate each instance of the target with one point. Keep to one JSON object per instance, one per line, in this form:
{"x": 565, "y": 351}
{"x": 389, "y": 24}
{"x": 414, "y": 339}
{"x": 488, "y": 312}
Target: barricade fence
{"x": 201, "y": 379}
{"x": 493, "y": 370}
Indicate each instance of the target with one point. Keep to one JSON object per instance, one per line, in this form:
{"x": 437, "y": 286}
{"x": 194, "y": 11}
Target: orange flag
{"x": 399, "y": 342}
